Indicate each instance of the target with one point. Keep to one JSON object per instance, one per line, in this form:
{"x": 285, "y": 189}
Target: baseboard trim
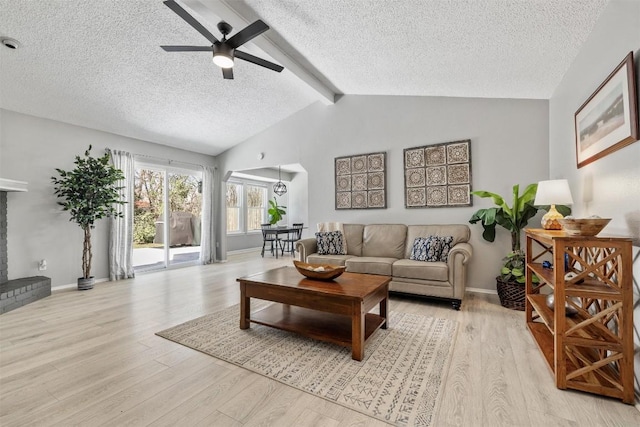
{"x": 74, "y": 285}
{"x": 481, "y": 291}
{"x": 244, "y": 251}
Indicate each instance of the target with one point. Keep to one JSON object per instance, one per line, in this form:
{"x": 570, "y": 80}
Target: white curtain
{"x": 121, "y": 235}
{"x": 208, "y": 238}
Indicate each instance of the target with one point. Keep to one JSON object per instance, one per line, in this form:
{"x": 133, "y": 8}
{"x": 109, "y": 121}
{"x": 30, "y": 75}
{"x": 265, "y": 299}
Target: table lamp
{"x": 553, "y": 192}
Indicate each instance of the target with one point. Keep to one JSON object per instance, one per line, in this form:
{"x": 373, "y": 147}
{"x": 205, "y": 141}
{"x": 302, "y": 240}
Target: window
{"x": 256, "y": 207}
{"x": 246, "y": 207}
{"x": 234, "y": 203}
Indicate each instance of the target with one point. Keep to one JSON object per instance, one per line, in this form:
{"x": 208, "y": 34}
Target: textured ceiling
{"x": 464, "y": 48}
{"x": 98, "y": 63}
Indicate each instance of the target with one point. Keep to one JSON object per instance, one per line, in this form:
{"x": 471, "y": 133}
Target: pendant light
{"x": 279, "y": 188}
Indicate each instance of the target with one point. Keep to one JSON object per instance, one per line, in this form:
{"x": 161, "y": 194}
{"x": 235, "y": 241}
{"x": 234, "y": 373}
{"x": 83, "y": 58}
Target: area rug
{"x": 399, "y": 381}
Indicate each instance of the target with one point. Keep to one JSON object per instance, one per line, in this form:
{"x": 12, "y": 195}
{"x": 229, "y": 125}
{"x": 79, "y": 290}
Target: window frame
{"x": 240, "y": 206}
{"x": 265, "y": 203}
{"x": 244, "y": 206}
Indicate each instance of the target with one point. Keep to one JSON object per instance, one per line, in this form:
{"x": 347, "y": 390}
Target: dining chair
{"x": 269, "y": 235}
{"x": 293, "y": 236}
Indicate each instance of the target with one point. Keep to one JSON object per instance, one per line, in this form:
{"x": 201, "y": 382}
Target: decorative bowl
{"x": 584, "y": 226}
{"x": 319, "y": 271}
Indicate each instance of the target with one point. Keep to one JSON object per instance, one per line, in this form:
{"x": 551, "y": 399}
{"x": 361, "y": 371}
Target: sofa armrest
{"x": 306, "y": 247}
{"x": 459, "y": 256}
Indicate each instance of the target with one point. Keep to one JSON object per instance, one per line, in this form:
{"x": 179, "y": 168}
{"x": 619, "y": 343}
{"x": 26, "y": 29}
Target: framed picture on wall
{"x": 608, "y": 120}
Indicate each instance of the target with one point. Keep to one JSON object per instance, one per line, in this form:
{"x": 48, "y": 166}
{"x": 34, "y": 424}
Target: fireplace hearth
{"x": 18, "y": 292}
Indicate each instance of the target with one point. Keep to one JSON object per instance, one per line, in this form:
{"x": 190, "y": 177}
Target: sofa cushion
{"x": 410, "y": 269}
{"x": 384, "y": 240}
{"x": 370, "y": 265}
{"x": 459, "y": 232}
{"x": 330, "y": 243}
{"x": 328, "y": 259}
{"x": 353, "y": 237}
{"x": 431, "y": 249}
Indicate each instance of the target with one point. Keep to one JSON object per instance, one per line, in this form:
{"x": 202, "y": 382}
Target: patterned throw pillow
{"x": 446, "y": 243}
{"x": 431, "y": 249}
{"x": 330, "y": 243}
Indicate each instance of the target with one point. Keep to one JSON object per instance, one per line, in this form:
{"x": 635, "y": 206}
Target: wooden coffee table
{"x": 335, "y": 311}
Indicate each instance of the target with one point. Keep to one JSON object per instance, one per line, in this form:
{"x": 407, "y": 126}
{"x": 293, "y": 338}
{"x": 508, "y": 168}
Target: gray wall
{"x": 31, "y": 149}
{"x": 509, "y": 140}
{"x": 610, "y": 186}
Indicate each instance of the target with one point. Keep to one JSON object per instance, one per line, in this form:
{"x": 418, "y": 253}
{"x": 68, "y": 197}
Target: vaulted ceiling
{"x": 99, "y": 63}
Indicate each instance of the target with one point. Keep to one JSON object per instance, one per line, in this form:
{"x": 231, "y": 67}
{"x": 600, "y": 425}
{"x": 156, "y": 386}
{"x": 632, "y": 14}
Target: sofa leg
{"x": 456, "y": 304}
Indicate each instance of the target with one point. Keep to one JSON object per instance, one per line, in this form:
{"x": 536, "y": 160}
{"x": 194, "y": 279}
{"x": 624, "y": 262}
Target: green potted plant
{"x": 90, "y": 192}
{"x": 275, "y": 211}
{"x": 514, "y": 218}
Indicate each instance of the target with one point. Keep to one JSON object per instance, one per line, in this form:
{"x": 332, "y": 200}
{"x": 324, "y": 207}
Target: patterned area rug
{"x": 399, "y": 381}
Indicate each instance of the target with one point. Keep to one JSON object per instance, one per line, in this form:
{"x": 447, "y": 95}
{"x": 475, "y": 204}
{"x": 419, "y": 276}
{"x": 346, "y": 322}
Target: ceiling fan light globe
{"x": 222, "y": 61}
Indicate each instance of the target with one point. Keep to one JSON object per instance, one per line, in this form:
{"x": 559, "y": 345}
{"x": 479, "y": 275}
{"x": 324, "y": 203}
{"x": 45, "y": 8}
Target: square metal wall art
{"x": 438, "y": 175}
{"x": 361, "y": 181}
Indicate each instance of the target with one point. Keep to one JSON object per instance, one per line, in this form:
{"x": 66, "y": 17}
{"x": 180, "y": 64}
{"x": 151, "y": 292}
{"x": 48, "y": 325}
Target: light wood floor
{"x": 91, "y": 358}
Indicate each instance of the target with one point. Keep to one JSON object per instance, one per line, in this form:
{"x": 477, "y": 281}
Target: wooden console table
{"x": 592, "y": 350}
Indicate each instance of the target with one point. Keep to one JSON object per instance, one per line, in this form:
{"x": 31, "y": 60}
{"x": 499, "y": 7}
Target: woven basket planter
{"x": 512, "y": 294}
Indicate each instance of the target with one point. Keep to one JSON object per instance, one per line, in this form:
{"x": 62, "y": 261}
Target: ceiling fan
{"x": 224, "y": 51}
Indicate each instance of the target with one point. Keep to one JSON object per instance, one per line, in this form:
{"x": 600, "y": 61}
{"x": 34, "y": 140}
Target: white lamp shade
{"x": 553, "y": 192}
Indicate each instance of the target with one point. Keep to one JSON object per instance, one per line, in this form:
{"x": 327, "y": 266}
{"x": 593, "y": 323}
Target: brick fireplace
{"x": 18, "y": 292}
{"x": 3, "y": 237}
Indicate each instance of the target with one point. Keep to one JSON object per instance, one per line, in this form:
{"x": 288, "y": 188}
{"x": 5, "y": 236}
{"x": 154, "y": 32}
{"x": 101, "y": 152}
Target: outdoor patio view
{"x": 151, "y": 249}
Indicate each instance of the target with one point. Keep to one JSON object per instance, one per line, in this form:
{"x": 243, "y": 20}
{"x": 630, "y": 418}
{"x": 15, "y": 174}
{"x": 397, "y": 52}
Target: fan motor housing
{"x": 224, "y": 28}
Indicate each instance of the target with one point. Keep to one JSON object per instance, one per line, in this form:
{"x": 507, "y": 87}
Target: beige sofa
{"x": 386, "y": 248}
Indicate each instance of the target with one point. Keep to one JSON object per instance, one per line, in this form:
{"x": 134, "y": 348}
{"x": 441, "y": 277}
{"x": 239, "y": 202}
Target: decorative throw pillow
{"x": 330, "y": 243}
{"x": 446, "y": 243}
{"x": 334, "y": 226}
{"x": 431, "y": 249}
{"x": 419, "y": 249}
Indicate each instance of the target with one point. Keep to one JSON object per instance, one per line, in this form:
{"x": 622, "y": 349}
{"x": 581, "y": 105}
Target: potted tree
{"x": 514, "y": 218}
{"x": 275, "y": 211}
{"x": 89, "y": 193}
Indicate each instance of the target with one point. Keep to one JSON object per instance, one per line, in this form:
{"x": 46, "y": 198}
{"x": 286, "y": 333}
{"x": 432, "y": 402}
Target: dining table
{"x": 278, "y": 230}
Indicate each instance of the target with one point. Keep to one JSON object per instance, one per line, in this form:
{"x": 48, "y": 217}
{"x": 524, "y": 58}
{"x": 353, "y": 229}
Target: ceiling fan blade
{"x": 227, "y": 73}
{"x": 247, "y": 34}
{"x": 171, "y": 4}
{"x": 187, "y": 48}
{"x": 258, "y": 61}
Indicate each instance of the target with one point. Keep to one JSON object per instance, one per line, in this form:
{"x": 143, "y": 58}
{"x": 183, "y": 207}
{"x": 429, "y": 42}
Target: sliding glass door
{"x": 167, "y": 216}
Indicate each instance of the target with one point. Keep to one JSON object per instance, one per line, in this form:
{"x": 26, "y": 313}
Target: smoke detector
{"x": 10, "y": 43}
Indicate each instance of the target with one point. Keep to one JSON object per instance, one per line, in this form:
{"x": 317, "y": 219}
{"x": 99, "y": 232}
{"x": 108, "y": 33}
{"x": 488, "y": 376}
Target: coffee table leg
{"x": 383, "y": 311}
{"x": 245, "y": 307}
{"x": 357, "y": 333}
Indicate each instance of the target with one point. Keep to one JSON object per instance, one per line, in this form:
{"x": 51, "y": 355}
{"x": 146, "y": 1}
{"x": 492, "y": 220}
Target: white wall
{"x": 509, "y": 140}
{"x": 31, "y": 148}
{"x": 610, "y": 186}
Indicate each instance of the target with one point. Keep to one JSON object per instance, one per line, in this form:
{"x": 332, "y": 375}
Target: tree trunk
{"x": 86, "y": 253}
